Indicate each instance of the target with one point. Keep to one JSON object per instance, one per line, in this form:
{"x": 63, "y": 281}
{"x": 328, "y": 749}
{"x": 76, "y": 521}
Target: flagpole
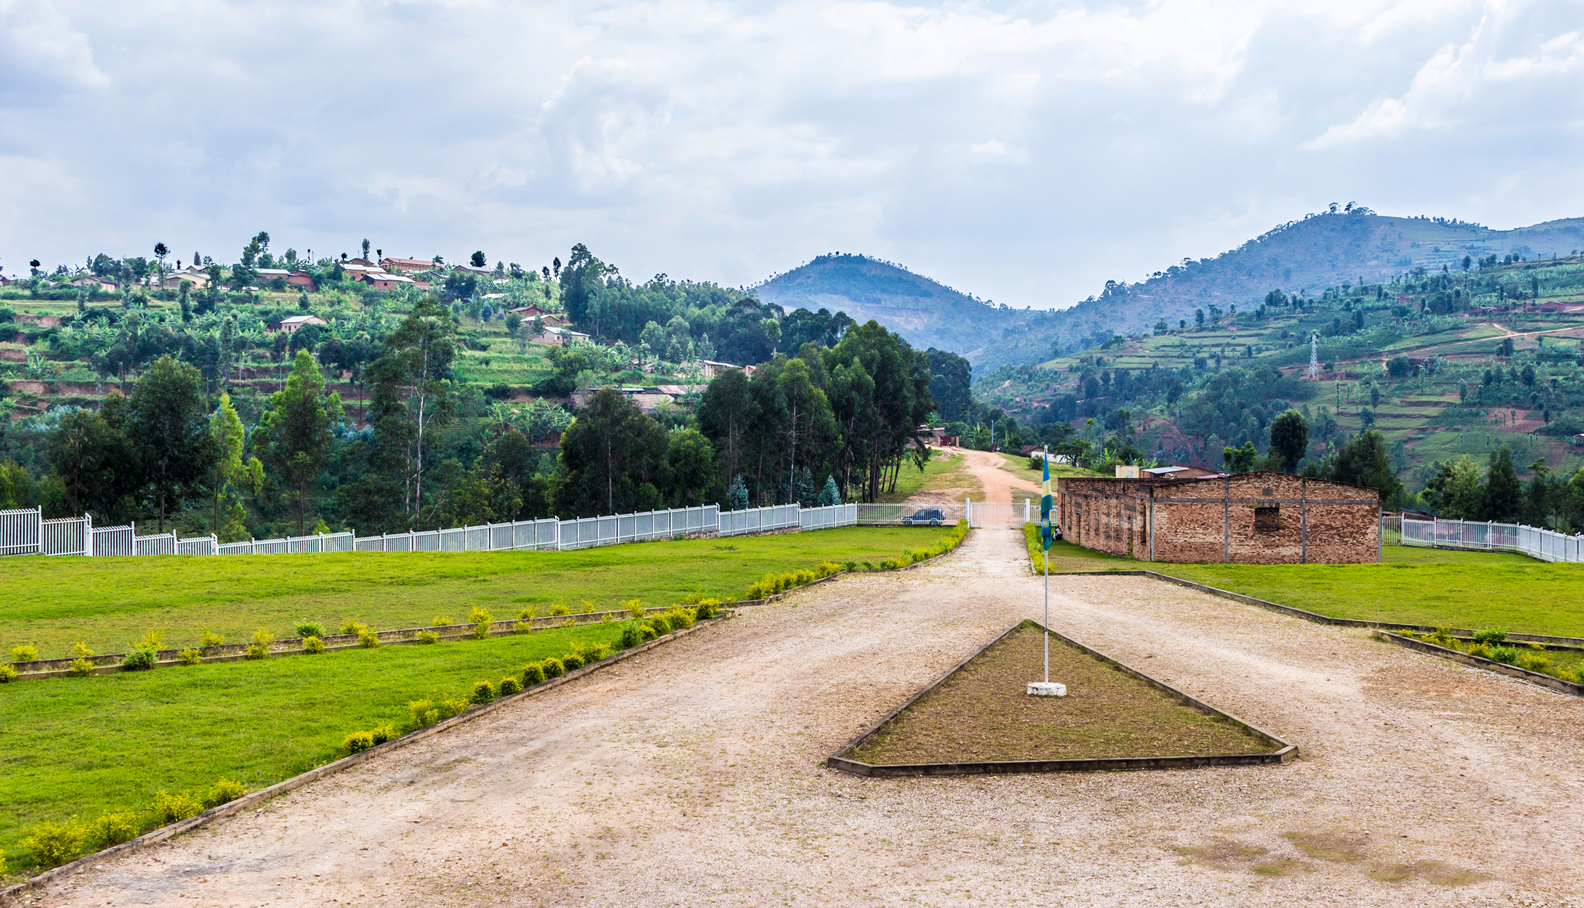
{"x": 1046, "y": 559}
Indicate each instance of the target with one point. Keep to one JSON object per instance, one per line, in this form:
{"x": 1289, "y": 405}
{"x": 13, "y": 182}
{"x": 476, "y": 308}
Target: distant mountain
{"x": 926, "y": 313}
{"x": 1304, "y": 256}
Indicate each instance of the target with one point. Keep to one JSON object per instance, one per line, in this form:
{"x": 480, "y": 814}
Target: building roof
{"x": 303, "y": 320}
{"x": 387, "y": 278}
{"x": 393, "y": 262}
{"x": 272, "y": 272}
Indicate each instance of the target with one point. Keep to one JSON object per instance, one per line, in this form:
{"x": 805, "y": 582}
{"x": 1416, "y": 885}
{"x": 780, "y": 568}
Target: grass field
{"x": 109, "y": 603}
{"x": 80, "y": 747}
{"x": 942, "y": 471}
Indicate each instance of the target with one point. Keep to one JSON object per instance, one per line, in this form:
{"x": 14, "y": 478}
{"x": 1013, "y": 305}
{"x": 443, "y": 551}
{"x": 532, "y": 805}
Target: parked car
{"x": 928, "y": 516}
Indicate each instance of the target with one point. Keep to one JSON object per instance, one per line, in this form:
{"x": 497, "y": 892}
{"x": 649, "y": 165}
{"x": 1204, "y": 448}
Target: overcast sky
{"x": 1024, "y": 152}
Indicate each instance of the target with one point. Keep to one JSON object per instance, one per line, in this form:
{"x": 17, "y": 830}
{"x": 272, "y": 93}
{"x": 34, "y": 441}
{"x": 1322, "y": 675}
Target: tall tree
{"x": 724, "y": 413}
{"x": 167, "y": 424}
{"x": 412, "y": 394}
{"x": 95, "y": 462}
{"x": 613, "y": 459}
{"x": 1289, "y": 438}
{"x": 1364, "y": 462}
{"x": 231, "y": 473}
{"x": 951, "y": 381}
{"x": 1503, "y": 493}
{"x": 294, "y": 436}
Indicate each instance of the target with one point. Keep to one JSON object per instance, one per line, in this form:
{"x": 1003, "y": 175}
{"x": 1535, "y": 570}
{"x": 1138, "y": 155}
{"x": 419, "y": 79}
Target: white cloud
{"x": 1024, "y": 152}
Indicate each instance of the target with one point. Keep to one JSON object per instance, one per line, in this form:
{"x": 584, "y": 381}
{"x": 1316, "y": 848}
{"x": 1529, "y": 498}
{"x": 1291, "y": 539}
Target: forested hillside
{"x": 277, "y": 395}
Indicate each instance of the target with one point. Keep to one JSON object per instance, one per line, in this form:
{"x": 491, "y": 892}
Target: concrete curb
{"x": 1282, "y": 754}
{"x": 258, "y": 798}
{"x": 777, "y": 597}
{"x": 1490, "y": 665}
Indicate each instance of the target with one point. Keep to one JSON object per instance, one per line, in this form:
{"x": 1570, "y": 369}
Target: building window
{"x": 1267, "y": 519}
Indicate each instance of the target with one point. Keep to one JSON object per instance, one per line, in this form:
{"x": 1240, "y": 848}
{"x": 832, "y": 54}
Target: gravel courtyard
{"x": 691, "y": 776}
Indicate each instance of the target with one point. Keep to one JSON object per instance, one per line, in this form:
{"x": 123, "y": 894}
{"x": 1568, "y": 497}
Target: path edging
{"x": 839, "y": 761}
{"x": 263, "y": 795}
{"x": 1491, "y": 665}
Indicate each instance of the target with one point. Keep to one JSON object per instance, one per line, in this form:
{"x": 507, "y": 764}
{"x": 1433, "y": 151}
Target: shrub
{"x": 891, "y": 564}
{"x": 1534, "y": 662}
{"x": 353, "y": 626}
{"x": 1504, "y": 654}
{"x": 53, "y": 844}
{"x": 7, "y": 674}
{"x": 634, "y": 607}
{"x": 661, "y": 624}
{"x": 313, "y": 646}
{"x": 481, "y": 631}
{"x": 571, "y": 661}
{"x": 533, "y": 673}
{"x": 560, "y": 608}
{"x": 114, "y": 828}
{"x": 357, "y": 742}
{"x": 646, "y": 632}
{"x": 680, "y": 618}
{"x": 827, "y": 568}
{"x": 24, "y": 653}
{"x": 428, "y": 637}
{"x": 384, "y": 733}
{"x": 1490, "y": 637}
{"x": 154, "y": 639}
{"x": 851, "y": 565}
{"x": 262, "y": 637}
{"x": 82, "y": 651}
{"x": 210, "y": 638}
{"x": 422, "y": 714}
{"x": 453, "y": 707}
{"x": 190, "y": 656}
{"x": 80, "y": 668}
{"x": 509, "y": 686}
{"x": 1442, "y": 637}
{"x": 139, "y": 660}
{"x": 224, "y": 792}
{"x": 585, "y": 607}
{"x": 630, "y": 636}
{"x": 172, "y": 808}
{"x": 553, "y": 667}
{"x": 1480, "y": 650}
{"x": 309, "y": 629}
{"x": 479, "y": 616}
{"x": 440, "y": 621}
{"x": 707, "y": 608}
{"x": 483, "y": 692}
{"x": 526, "y": 613}
{"x": 523, "y": 627}
{"x": 367, "y": 638}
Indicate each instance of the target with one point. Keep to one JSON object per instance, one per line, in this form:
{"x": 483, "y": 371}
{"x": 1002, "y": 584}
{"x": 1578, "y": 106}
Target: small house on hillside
{"x": 556, "y": 336}
{"x": 711, "y": 368}
{"x": 290, "y": 324}
{"x": 301, "y": 279}
{"x": 386, "y": 281}
{"x": 405, "y": 265}
{"x": 93, "y": 282}
{"x": 197, "y": 280}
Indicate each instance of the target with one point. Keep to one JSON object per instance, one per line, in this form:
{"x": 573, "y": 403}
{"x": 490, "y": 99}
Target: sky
{"x": 1022, "y": 152}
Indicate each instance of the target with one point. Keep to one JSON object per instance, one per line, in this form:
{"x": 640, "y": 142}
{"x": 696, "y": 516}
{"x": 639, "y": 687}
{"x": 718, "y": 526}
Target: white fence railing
{"x": 1545, "y": 545}
{"x": 25, "y": 532}
{"x": 1000, "y": 513}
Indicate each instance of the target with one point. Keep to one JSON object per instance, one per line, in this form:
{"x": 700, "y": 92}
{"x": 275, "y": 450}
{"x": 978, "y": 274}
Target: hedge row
{"x": 774, "y": 583}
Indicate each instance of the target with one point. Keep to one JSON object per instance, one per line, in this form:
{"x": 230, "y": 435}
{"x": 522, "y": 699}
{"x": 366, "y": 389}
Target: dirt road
{"x": 691, "y": 776}
{"x": 999, "y": 485}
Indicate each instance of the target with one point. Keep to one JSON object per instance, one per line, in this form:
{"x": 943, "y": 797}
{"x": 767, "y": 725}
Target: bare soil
{"x": 983, "y": 712}
{"x": 692, "y": 777}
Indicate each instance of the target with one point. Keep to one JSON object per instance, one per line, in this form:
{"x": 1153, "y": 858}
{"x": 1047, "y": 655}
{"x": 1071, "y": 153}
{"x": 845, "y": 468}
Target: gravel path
{"x": 691, "y": 776}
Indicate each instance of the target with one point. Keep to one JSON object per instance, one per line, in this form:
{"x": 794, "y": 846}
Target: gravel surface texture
{"x": 691, "y": 776}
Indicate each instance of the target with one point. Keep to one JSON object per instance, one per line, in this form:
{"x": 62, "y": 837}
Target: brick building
{"x": 1251, "y": 518}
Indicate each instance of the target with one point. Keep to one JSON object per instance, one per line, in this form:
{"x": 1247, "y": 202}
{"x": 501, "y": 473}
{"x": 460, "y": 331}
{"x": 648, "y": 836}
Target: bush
{"x": 646, "y": 632}
{"x": 257, "y": 651}
{"x": 53, "y": 844}
{"x": 357, "y": 742}
{"x": 7, "y": 674}
{"x": 384, "y": 733}
{"x": 190, "y": 656}
{"x": 553, "y": 667}
{"x": 1534, "y": 662}
{"x": 224, "y": 792}
{"x": 428, "y": 637}
{"x": 172, "y": 808}
{"x": 707, "y": 608}
{"x": 367, "y": 638}
{"x": 633, "y": 607}
{"x": 81, "y": 651}
{"x": 481, "y": 631}
{"x": 313, "y": 646}
{"x": 154, "y": 639}
{"x": 509, "y": 686}
{"x": 1480, "y": 650}
{"x": 483, "y": 692}
{"x": 1507, "y": 655}
{"x": 630, "y": 637}
{"x": 139, "y": 660}
{"x": 680, "y": 618}
{"x": 440, "y": 621}
{"x": 80, "y": 668}
{"x": 422, "y": 714}
{"x": 309, "y": 629}
{"x": 533, "y": 673}
{"x": 453, "y": 707}
{"x": 527, "y": 612}
{"x": 353, "y": 626}
{"x": 1490, "y": 637}
{"x": 661, "y": 624}
{"x": 522, "y": 627}
{"x": 572, "y": 661}
{"x": 828, "y": 568}
{"x": 560, "y": 608}
{"x": 479, "y": 616}
{"x": 24, "y": 653}
{"x": 114, "y": 828}
{"x": 210, "y": 638}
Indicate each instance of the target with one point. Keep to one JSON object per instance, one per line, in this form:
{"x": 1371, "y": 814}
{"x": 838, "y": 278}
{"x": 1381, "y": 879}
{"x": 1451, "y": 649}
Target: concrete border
{"x": 1512, "y": 671}
{"x": 839, "y": 761}
{"x": 258, "y": 798}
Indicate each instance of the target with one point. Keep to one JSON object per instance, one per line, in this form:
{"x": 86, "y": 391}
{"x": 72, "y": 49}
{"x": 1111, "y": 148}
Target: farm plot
{"x": 52, "y": 604}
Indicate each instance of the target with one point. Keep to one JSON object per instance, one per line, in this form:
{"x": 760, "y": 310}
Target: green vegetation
{"x": 1067, "y": 557}
{"x": 153, "y": 744}
{"x": 942, "y": 472}
{"x": 108, "y": 603}
{"x": 1488, "y": 644}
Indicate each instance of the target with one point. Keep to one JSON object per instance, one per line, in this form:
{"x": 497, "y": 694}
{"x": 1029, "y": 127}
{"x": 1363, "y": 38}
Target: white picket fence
{"x": 1545, "y": 545}
{"x": 25, "y": 532}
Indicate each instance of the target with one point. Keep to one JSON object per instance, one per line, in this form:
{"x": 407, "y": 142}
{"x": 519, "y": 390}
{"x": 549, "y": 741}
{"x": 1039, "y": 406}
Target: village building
{"x": 301, "y": 279}
{"x": 290, "y": 324}
{"x": 386, "y": 281}
{"x": 94, "y": 282}
{"x": 405, "y": 265}
{"x": 557, "y": 336}
{"x": 1249, "y": 518}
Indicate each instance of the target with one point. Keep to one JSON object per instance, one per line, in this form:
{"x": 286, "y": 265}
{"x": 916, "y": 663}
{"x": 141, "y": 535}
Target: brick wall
{"x": 1253, "y": 518}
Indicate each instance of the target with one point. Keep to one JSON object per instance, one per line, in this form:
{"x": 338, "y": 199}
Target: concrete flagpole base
{"x": 1046, "y": 689}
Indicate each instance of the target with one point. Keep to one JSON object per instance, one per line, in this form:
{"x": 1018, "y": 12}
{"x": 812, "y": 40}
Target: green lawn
{"x": 941, "y": 471}
{"x": 80, "y": 747}
{"x": 108, "y": 603}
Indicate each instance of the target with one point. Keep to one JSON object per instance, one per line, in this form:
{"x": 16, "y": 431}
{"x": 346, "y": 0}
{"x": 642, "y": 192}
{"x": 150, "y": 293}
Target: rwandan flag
{"x": 1045, "y": 505}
